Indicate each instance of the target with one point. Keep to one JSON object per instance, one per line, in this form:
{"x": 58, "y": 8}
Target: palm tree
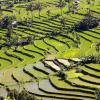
{"x": 31, "y": 9}
{"x": 48, "y": 13}
{"x": 61, "y": 4}
{"x": 15, "y": 42}
{"x": 97, "y": 47}
{"x": 62, "y": 21}
{"x": 0, "y": 9}
{"x": 78, "y": 38}
{"x": 69, "y": 6}
{"x": 9, "y": 32}
{"x": 39, "y": 7}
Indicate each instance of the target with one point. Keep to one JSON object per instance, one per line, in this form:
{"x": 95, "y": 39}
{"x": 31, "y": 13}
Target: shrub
{"x": 88, "y": 22}
{"x": 24, "y": 95}
{"x": 6, "y": 21}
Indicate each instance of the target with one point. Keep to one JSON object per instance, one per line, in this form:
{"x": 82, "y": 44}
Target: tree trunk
{"x": 39, "y": 14}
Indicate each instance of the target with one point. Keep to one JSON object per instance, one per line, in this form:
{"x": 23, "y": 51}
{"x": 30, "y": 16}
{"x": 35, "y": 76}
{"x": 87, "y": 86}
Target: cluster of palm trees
{"x": 9, "y": 23}
{"x": 34, "y": 6}
{"x": 73, "y": 5}
{"x": 87, "y": 23}
{"x": 61, "y": 4}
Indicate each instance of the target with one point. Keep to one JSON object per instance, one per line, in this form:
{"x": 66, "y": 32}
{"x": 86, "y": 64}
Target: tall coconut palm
{"x": 39, "y": 8}
{"x": 9, "y": 32}
{"x": 78, "y": 40}
{"x": 97, "y": 47}
{"x": 62, "y": 22}
{"x": 48, "y": 13}
{"x": 61, "y": 4}
{"x": 0, "y": 9}
{"x": 69, "y": 6}
{"x": 15, "y": 40}
{"x": 31, "y": 9}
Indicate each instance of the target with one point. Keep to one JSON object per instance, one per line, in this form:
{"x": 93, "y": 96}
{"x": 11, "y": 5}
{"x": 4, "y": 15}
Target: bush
{"x": 87, "y": 23}
{"x": 6, "y": 21}
{"x": 24, "y": 95}
{"x": 89, "y": 59}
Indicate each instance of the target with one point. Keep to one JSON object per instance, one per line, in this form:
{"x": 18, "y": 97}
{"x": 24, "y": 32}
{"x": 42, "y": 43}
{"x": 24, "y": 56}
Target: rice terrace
{"x": 49, "y": 49}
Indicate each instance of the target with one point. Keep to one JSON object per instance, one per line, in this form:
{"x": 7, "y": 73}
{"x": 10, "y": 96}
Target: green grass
{"x": 35, "y": 72}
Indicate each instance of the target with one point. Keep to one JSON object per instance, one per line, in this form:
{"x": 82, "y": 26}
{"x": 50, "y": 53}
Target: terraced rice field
{"x": 35, "y": 66}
